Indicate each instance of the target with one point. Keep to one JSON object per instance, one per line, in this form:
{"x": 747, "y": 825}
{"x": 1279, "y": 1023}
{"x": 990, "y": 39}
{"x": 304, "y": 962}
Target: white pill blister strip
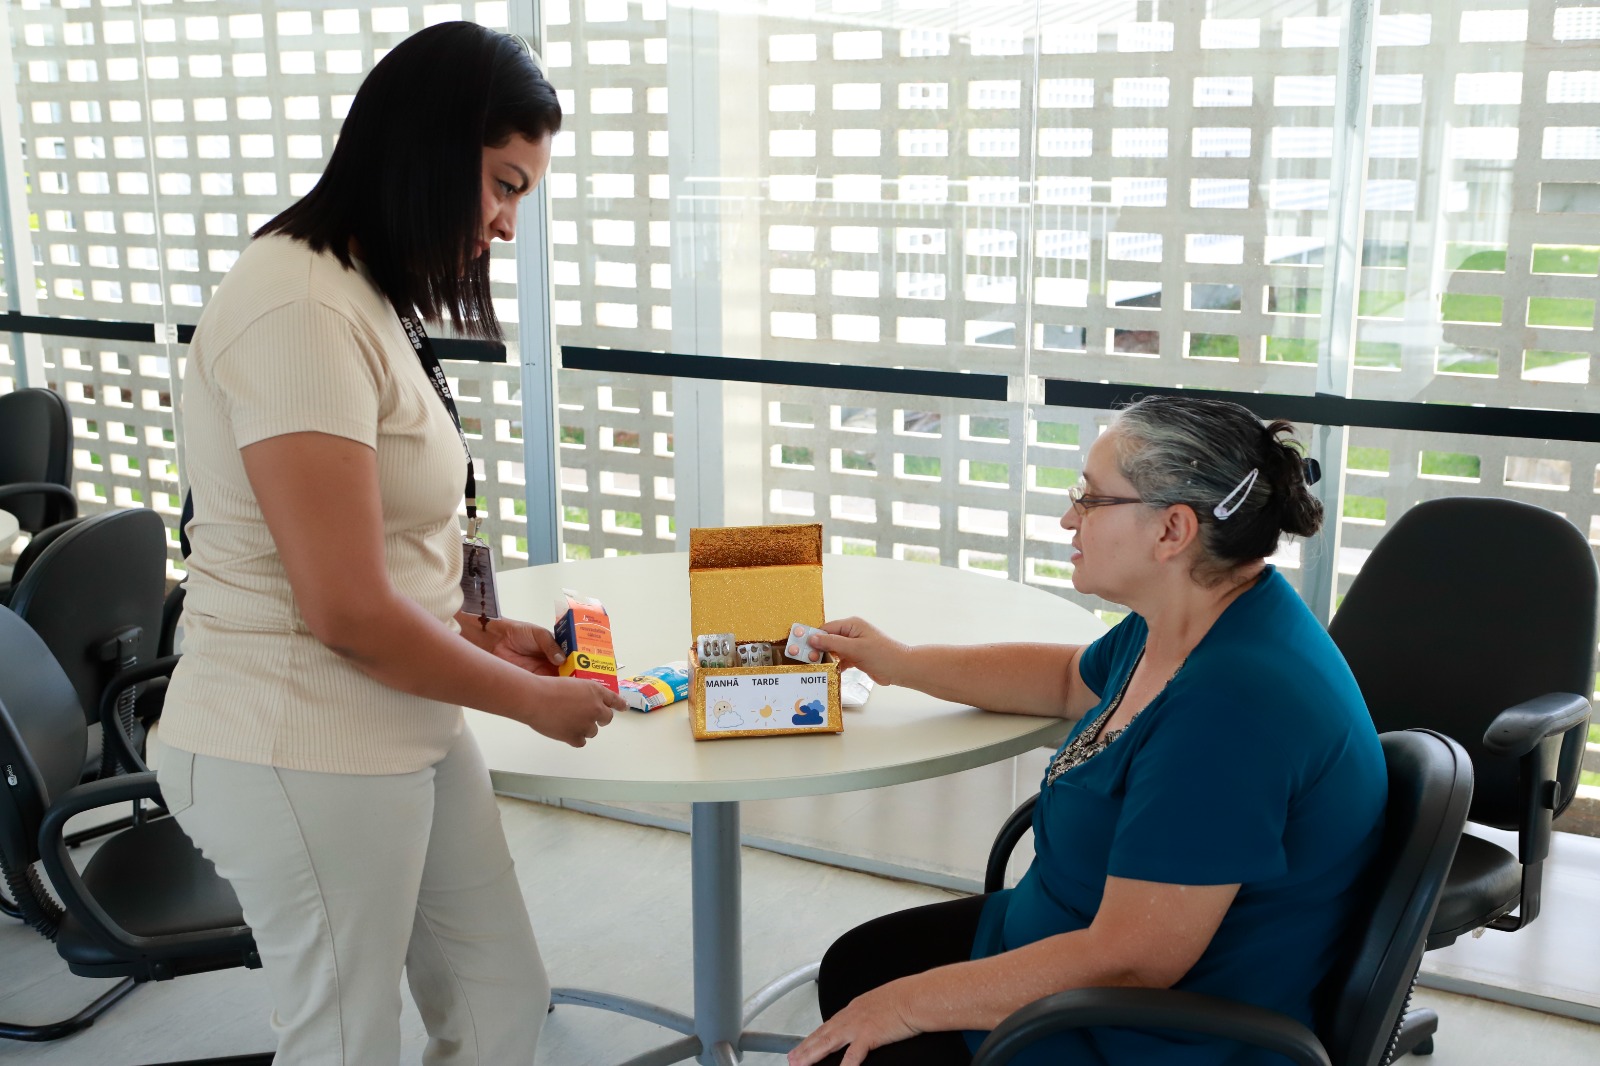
{"x": 755, "y": 654}
{"x": 799, "y": 647}
{"x": 714, "y": 649}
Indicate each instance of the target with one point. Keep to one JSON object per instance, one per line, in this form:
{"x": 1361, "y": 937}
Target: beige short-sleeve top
{"x": 294, "y": 341}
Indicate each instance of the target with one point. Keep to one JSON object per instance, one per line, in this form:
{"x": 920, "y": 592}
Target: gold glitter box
{"x": 755, "y": 582}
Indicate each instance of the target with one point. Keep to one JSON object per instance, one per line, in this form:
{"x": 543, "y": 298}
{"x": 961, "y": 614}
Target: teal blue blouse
{"x": 1258, "y": 765}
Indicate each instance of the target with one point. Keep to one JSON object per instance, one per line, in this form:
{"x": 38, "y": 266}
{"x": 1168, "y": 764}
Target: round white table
{"x": 8, "y": 528}
{"x": 899, "y": 736}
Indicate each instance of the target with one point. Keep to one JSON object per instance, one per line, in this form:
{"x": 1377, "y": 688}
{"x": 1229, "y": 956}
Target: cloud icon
{"x": 808, "y": 713}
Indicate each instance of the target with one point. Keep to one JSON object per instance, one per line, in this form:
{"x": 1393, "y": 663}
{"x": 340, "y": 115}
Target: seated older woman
{"x": 1207, "y": 819}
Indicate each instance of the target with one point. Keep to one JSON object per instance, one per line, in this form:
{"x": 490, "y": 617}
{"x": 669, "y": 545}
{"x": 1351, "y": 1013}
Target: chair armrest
{"x": 58, "y": 864}
{"x": 1535, "y": 732}
{"x": 1516, "y": 730}
{"x": 1005, "y": 842}
{"x": 1151, "y": 1008}
{"x": 63, "y": 495}
{"x": 111, "y": 724}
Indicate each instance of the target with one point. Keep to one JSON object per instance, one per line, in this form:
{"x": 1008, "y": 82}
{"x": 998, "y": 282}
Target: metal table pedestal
{"x": 717, "y": 1034}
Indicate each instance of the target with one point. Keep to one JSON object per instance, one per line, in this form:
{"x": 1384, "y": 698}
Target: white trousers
{"x": 347, "y": 879}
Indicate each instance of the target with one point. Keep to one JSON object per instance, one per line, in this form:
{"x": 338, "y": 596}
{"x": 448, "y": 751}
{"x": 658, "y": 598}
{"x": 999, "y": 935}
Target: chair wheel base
{"x": 1416, "y": 1033}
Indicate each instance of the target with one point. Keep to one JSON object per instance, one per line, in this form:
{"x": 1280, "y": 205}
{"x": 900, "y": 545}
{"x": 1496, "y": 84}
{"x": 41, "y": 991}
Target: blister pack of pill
{"x": 799, "y": 646}
{"x": 755, "y": 653}
{"x": 715, "y": 649}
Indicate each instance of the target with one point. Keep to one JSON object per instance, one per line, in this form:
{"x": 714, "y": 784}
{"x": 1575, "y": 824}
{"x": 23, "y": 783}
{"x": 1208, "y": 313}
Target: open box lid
{"x": 755, "y": 581}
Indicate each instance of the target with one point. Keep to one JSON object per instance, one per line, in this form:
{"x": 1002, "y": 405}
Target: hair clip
{"x": 1235, "y": 499}
{"x": 1313, "y": 470}
{"x": 533, "y": 54}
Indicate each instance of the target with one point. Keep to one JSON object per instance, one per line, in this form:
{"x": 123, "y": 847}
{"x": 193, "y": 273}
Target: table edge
{"x": 542, "y": 787}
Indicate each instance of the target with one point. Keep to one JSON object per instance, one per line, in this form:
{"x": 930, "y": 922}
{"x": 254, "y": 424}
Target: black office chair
{"x": 1430, "y": 788}
{"x": 94, "y": 595}
{"x": 36, "y": 460}
{"x": 1476, "y": 618}
{"x": 30, "y": 554}
{"x": 147, "y": 906}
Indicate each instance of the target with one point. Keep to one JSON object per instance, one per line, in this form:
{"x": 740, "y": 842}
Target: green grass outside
{"x": 629, "y": 520}
{"x": 1483, "y": 258}
{"x": 1535, "y": 359}
{"x": 922, "y": 466}
{"x": 794, "y": 455}
{"x": 572, "y": 551}
{"x": 1213, "y": 346}
{"x": 1291, "y": 350}
{"x": 1378, "y": 303}
{"x": 1451, "y": 464}
{"x": 1065, "y": 433}
{"x": 1054, "y": 571}
{"x": 1470, "y": 307}
{"x": 1054, "y": 477}
{"x": 572, "y": 435}
{"x": 1484, "y": 364}
{"x": 1566, "y": 259}
{"x": 1560, "y": 312}
{"x": 857, "y": 461}
{"x": 1370, "y": 507}
{"x": 1285, "y": 300}
{"x": 990, "y": 428}
{"x": 989, "y": 473}
{"x": 575, "y": 516}
{"x": 852, "y": 547}
{"x": 1377, "y": 355}
{"x": 988, "y": 563}
{"x": 1374, "y": 459}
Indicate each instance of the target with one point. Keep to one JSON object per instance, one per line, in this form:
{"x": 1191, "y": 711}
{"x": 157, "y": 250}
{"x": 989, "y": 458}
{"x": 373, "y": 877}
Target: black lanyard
{"x": 441, "y": 385}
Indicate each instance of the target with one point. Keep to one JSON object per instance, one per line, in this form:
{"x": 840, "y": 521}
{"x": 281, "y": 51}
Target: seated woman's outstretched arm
{"x": 1039, "y": 679}
{"x": 1145, "y": 935}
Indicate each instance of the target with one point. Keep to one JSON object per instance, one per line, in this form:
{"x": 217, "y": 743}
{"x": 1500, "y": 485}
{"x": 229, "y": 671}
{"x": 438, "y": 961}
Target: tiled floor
{"x": 610, "y": 902}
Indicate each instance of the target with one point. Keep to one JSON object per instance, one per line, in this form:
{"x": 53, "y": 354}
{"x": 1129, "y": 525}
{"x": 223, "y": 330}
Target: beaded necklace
{"x": 1084, "y": 747}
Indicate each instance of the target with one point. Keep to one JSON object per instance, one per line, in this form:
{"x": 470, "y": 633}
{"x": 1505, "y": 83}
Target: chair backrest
{"x": 97, "y": 581}
{"x": 43, "y": 739}
{"x": 1467, "y": 607}
{"x": 1430, "y": 789}
{"x": 35, "y": 548}
{"x": 35, "y": 445}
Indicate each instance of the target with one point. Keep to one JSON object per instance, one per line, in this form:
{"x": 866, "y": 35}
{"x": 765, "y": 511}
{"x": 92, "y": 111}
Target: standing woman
{"x": 313, "y": 734}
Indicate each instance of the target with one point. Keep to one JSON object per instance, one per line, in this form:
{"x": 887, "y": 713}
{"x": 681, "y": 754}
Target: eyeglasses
{"x": 1084, "y": 501}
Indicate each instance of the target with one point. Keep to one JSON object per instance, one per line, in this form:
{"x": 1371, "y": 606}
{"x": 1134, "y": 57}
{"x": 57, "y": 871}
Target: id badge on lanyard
{"x": 479, "y": 593}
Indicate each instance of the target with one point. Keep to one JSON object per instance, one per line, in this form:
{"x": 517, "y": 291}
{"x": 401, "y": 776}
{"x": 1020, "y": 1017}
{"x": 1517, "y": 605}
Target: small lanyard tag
{"x": 479, "y": 593}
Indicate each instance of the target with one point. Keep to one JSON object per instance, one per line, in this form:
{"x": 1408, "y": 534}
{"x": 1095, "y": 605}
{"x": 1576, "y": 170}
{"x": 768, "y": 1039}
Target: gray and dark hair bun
{"x": 1200, "y": 452}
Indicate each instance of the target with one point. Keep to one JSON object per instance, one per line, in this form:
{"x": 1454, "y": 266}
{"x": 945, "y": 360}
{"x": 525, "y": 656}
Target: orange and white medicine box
{"x": 755, "y": 582}
{"x": 583, "y": 629}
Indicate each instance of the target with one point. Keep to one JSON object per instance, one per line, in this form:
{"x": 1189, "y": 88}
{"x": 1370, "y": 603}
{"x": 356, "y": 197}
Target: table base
{"x": 717, "y": 1034}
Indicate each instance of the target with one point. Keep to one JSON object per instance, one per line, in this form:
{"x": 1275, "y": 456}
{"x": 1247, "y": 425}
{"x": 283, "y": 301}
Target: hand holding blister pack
{"x": 799, "y": 647}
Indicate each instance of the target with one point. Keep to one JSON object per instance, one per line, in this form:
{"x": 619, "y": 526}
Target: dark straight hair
{"x": 405, "y": 176}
